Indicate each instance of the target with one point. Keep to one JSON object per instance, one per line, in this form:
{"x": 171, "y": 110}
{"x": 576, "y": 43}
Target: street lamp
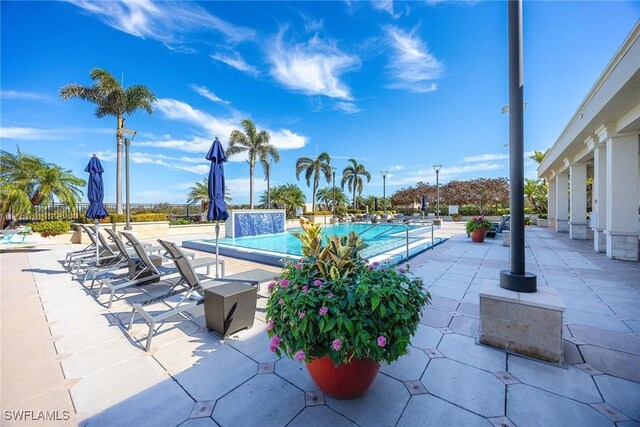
{"x": 333, "y": 208}
{"x": 268, "y": 167}
{"x": 384, "y": 189}
{"x": 127, "y": 143}
{"x": 437, "y": 169}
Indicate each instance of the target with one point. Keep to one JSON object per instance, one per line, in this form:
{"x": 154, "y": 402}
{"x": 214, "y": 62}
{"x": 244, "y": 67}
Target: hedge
{"x": 51, "y": 228}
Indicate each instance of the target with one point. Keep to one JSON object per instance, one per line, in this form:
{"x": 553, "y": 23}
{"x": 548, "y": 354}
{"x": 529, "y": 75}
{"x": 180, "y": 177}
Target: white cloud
{"x": 311, "y": 24}
{"x": 412, "y": 65}
{"x": 235, "y": 60}
{"x": 313, "y": 68}
{"x": 386, "y": 6}
{"x": 347, "y": 107}
{"x": 239, "y": 187}
{"x": 20, "y": 95}
{"x": 27, "y": 133}
{"x": 205, "y": 92}
{"x": 396, "y": 168}
{"x": 283, "y": 139}
{"x": 162, "y": 21}
{"x": 196, "y": 165}
{"x": 484, "y": 158}
{"x": 447, "y": 173}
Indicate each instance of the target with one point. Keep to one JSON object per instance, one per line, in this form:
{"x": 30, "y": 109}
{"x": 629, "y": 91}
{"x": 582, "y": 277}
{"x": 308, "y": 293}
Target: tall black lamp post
{"x": 384, "y": 189}
{"x": 437, "y": 169}
{"x": 333, "y": 207}
{"x": 268, "y": 165}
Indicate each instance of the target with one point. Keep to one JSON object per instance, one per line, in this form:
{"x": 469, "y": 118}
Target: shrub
{"x": 180, "y": 221}
{"x": 543, "y": 216}
{"x": 149, "y": 217}
{"x": 318, "y": 213}
{"x": 476, "y": 223}
{"x": 51, "y": 228}
{"x": 115, "y": 217}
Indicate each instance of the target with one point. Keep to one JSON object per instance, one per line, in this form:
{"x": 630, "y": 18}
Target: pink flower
{"x": 284, "y": 283}
{"x": 271, "y": 286}
{"x": 302, "y": 314}
{"x": 305, "y": 289}
{"x": 337, "y": 344}
{"x": 275, "y": 342}
{"x": 317, "y": 282}
{"x": 330, "y": 295}
{"x": 323, "y": 311}
{"x": 375, "y": 264}
{"x": 281, "y": 301}
{"x": 300, "y": 356}
{"x": 370, "y": 267}
{"x": 298, "y": 266}
{"x": 270, "y": 325}
{"x": 382, "y": 341}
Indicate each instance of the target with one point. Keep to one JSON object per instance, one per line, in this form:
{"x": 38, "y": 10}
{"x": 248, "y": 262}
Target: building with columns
{"x": 601, "y": 141}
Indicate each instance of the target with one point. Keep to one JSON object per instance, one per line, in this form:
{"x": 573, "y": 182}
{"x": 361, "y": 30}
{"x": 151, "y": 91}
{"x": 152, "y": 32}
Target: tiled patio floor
{"x": 62, "y": 351}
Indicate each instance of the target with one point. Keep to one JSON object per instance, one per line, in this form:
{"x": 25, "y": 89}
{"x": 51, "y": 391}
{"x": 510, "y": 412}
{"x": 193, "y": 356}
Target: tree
{"x": 27, "y": 181}
{"x": 200, "y": 193}
{"x": 256, "y": 145}
{"x": 539, "y": 156}
{"x": 287, "y": 196}
{"x": 314, "y": 169}
{"x": 353, "y": 176}
{"x": 326, "y": 195}
{"x": 535, "y": 191}
{"x": 112, "y": 99}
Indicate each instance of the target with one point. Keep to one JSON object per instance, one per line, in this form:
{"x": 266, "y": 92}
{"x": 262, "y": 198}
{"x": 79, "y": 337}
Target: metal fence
{"x": 63, "y": 212}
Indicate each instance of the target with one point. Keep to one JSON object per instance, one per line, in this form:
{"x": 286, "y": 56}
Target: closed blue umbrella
{"x": 95, "y": 193}
{"x": 424, "y": 203}
{"x": 375, "y": 204}
{"x": 217, "y": 207}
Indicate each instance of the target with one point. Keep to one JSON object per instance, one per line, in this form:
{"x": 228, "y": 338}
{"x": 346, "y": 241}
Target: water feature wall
{"x": 243, "y": 223}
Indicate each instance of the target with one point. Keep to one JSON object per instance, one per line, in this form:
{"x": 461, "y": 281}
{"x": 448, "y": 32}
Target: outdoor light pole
{"x": 516, "y": 279}
{"x": 268, "y": 186}
{"x": 333, "y": 208}
{"x": 127, "y": 143}
{"x": 384, "y": 189}
{"x": 437, "y": 169}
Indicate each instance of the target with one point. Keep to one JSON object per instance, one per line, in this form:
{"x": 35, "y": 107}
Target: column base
{"x": 599, "y": 241}
{"x": 506, "y": 238}
{"x": 525, "y": 323}
{"x": 562, "y": 225}
{"x": 578, "y": 231}
{"x": 621, "y": 245}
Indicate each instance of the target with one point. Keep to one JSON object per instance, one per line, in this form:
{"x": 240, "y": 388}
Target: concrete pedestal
{"x": 622, "y": 245}
{"x": 599, "y": 241}
{"x": 525, "y": 323}
{"x": 562, "y": 225}
{"x": 506, "y": 238}
{"x": 578, "y": 230}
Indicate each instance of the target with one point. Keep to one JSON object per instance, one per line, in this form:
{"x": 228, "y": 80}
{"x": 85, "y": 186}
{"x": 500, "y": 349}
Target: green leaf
{"x": 375, "y": 302}
{"x": 349, "y": 325}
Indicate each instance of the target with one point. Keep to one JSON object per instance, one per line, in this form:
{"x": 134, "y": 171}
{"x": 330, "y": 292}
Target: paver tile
{"x": 428, "y": 410}
{"x": 320, "y": 416}
{"x": 606, "y": 338}
{"x": 464, "y": 349}
{"x": 409, "y": 367}
{"x": 621, "y": 394}
{"x": 617, "y": 363}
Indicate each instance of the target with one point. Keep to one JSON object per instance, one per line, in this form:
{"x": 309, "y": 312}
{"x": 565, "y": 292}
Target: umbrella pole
{"x": 217, "y": 247}
{"x": 96, "y": 224}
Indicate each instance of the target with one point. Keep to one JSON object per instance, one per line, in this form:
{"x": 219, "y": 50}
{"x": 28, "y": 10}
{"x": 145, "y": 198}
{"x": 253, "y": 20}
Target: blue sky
{"x": 400, "y": 86}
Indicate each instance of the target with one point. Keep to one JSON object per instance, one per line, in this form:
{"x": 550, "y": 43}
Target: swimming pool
{"x": 387, "y": 243}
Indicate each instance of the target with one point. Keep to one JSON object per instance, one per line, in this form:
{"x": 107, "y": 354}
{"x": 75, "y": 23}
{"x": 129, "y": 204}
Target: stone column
{"x": 551, "y": 200}
{"x": 562, "y": 202}
{"x": 622, "y": 198}
{"x": 599, "y": 194}
{"x": 578, "y": 201}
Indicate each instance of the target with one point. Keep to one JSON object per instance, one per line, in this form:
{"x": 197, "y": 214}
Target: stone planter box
{"x": 142, "y": 230}
{"x": 60, "y": 239}
{"x": 319, "y": 219}
{"x": 542, "y": 222}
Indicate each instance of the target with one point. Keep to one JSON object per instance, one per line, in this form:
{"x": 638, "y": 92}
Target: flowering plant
{"x": 334, "y": 303}
{"x": 476, "y": 223}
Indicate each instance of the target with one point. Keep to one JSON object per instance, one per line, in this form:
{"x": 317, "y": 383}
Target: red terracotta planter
{"x": 479, "y": 235}
{"x": 344, "y": 381}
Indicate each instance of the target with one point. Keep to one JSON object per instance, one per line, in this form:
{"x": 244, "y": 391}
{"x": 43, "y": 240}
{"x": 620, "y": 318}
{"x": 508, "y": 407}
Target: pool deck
{"x": 61, "y": 351}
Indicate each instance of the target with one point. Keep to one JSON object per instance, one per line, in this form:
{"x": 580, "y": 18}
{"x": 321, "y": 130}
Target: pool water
{"x": 381, "y": 238}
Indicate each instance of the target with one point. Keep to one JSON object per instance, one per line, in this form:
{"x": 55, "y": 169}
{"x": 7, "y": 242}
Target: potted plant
{"x": 477, "y": 228}
{"x": 341, "y": 315}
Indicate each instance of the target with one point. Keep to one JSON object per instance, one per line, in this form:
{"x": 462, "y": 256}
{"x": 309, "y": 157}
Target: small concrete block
{"x": 433, "y": 353}
{"x": 610, "y": 412}
{"x": 545, "y": 297}
{"x": 501, "y": 422}
{"x": 446, "y": 330}
{"x": 266, "y": 367}
{"x": 573, "y": 340}
{"x": 506, "y": 378}
{"x": 203, "y": 409}
{"x": 492, "y": 307}
{"x": 415, "y": 387}
{"x": 314, "y": 398}
{"x": 588, "y": 369}
{"x": 455, "y": 313}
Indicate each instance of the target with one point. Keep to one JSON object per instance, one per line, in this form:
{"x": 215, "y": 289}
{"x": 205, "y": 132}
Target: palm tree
{"x": 112, "y": 100}
{"x": 313, "y": 169}
{"x": 27, "y": 180}
{"x": 326, "y": 196}
{"x": 352, "y": 176}
{"x": 287, "y": 196}
{"x": 257, "y": 146}
{"x": 539, "y": 156}
{"x": 200, "y": 193}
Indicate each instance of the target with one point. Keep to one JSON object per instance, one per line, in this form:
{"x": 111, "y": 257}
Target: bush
{"x": 355, "y": 211}
{"x": 51, "y": 228}
{"x": 114, "y": 217}
{"x": 543, "y": 216}
{"x": 180, "y": 221}
{"x": 149, "y": 217}
{"x": 318, "y": 213}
